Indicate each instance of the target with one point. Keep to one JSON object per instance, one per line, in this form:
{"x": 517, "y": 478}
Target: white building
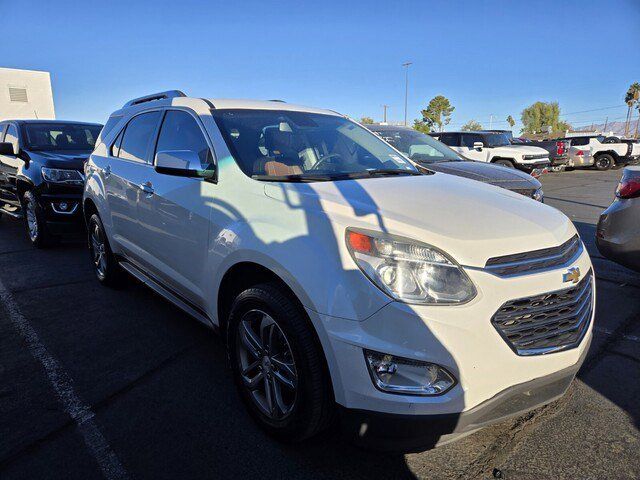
{"x": 25, "y": 94}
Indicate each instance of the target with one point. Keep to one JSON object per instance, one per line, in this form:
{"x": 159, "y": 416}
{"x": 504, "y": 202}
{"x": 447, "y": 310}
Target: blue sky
{"x": 486, "y": 57}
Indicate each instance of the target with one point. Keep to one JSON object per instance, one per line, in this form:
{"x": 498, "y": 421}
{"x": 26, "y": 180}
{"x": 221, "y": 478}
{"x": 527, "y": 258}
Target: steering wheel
{"x": 324, "y": 160}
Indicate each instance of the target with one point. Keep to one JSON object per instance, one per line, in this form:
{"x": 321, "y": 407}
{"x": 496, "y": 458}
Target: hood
{"x": 521, "y": 150}
{"x": 61, "y": 158}
{"x": 509, "y": 178}
{"x": 469, "y": 220}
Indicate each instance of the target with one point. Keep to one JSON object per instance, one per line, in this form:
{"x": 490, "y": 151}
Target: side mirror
{"x": 183, "y": 163}
{"x": 7, "y": 148}
{"x": 478, "y": 145}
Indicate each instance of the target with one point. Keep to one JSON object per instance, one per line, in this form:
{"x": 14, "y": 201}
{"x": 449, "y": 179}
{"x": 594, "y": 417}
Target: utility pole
{"x": 490, "y": 121}
{"x": 606, "y": 122}
{"x": 406, "y": 88}
{"x": 385, "y": 113}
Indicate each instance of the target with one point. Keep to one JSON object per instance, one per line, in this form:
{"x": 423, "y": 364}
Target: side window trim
{"x": 3, "y": 128}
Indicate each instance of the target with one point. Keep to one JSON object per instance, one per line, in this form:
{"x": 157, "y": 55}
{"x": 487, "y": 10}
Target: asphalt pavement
{"x": 100, "y": 383}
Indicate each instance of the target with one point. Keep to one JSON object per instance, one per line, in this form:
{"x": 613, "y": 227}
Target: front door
{"x": 175, "y": 219}
{"x": 9, "y": 165}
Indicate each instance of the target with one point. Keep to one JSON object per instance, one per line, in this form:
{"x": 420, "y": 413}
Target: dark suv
{"x": 41, "y": 175}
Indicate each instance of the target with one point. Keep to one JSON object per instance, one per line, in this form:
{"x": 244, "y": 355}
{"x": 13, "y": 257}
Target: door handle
{"x": 106, "y": 171}
{"x": 147, "y": 188}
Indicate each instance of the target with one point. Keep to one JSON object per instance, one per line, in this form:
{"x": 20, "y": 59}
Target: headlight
{"x": 59, "y": 175}
{"x": 405, "y": 376}
{"x": 527, "y": 157}
{"x": 538, "y": 195}
{"x": 408, "y": 270}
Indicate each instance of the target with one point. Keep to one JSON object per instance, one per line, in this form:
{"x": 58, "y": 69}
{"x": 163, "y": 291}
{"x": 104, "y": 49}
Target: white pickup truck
{"x": 494, "y": 147}
{"x": 607, "y": 152}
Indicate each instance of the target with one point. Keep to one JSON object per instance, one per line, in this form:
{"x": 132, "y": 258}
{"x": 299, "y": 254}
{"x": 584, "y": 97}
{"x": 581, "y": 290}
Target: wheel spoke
{"x": 253, "y": 383}
{"x": 284, "y": 381}
{"x": 285, "y": 372}
{"x": 250, "y": 340}
{"x": 268, "y": 394}
{"x": 277, "y": 394}
{"x": 266, "y": 331}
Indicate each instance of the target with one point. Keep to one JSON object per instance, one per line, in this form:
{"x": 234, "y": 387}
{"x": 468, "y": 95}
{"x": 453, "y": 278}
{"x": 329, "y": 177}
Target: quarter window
{"x": 138, "y": 136}
{"x": 180, "y": 131}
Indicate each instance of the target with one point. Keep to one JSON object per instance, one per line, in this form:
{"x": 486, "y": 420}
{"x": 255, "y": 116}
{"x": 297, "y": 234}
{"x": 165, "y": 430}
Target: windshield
{"x": 496, "y": 139}
{"x": 418, "y": 146}
{"x": 60, "y": 136}
{"x": 282, "y": 145}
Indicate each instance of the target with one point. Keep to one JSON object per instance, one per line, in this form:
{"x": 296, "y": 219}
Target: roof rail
{"x": 154, "y": 96}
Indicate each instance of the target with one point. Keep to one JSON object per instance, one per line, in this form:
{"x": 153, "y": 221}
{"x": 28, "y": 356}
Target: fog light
{"x": 64, "y": 207}
{"x": 405, "y": 376}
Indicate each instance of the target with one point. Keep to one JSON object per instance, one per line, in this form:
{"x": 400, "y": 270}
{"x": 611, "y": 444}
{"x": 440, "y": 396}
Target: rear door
{"x": 467, "y": 150}
{"x": 125, "y": 178}
{"x": 175, "y": 222}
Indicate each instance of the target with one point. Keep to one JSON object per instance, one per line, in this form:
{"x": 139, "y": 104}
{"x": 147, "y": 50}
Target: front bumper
{"x": 415, "y": 433}
{"x": 460, "y": 338}
{"x": 59, "y": 221}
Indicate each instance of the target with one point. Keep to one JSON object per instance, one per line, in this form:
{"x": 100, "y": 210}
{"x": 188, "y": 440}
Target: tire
{"x": 281, "y": 348}
{"x": 105, "y": 264}
{"x": 504, "y": 163}
{"x": 35, "y": 223}
{"x": 604, "y": 162}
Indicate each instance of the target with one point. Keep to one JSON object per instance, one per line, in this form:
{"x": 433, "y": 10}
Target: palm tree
{"x": 631, "y": 98}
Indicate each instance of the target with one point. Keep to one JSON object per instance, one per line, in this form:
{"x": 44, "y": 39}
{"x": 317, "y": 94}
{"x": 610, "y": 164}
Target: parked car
{"x": 558, "y": 151}
{"x": 41, "y": 165}
{"x": 417, "y": 307}
{"x": 494, "y": 147}
{"x": 618, "y": 231}
{"x": 580, "y": 157}
{"x": 607, "y": 153}
{"x": 436, "y": 156}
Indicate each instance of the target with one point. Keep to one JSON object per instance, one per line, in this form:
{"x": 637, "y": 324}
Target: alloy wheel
{"x": 98, "y": 250}
{"x": 32, "y": 221}
{"x": 266, "y": 364}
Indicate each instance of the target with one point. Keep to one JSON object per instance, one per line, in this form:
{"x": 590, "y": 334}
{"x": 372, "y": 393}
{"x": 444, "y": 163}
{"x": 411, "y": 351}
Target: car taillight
{"x": 628, "y": 188}
{"x": 580, "y": 153}
{"x": 560, "y": 148}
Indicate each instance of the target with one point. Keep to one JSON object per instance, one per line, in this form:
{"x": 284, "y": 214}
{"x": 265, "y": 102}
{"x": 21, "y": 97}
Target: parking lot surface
{"x": 120, "y": 384}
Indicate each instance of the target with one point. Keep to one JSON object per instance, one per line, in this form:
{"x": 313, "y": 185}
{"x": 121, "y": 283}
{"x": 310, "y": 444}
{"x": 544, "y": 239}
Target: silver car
{"x": 618, "y": 232}
{"x": 435, "y": 155}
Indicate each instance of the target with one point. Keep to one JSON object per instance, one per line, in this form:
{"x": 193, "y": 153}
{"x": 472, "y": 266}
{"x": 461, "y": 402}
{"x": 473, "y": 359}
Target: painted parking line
{"x": 81, "y": 414}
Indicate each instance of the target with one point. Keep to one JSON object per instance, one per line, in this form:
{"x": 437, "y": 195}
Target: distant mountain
{"x": 613, "y": 128}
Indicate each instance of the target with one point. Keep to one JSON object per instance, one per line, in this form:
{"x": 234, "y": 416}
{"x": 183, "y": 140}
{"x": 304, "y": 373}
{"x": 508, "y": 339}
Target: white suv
{"x": 496, "y": 147}
{"x": 417, "y": 307}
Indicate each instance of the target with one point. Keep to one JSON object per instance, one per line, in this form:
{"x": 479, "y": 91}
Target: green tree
{"x": 632, "y": 98}
{"x": 511, "y": 121}
{"x": 437, "y": 113}
{"x": 421, "y": 126}
{"x": 366, "y": 120}
{"x": 538, "y": 117}
{"x": 471, "y": 125}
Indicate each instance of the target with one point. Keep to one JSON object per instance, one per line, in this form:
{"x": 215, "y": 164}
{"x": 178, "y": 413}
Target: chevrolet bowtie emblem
{"x": 572, "y": 275}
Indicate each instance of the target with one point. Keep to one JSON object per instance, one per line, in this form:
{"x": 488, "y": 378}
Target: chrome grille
{"x": 546, "y": 323}
{"x": 535, "y": 260}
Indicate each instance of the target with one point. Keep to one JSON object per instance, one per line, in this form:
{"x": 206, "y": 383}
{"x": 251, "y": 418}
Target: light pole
{"x": 385, "y": 112}
{"x": 406, "y": 89}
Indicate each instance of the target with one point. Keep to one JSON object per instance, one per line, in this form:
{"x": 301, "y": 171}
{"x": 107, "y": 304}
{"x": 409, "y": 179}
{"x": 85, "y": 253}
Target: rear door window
{"x": 468, "y": 139}
{"x": 451, "y": 139}
{"x": 138, "y": 137}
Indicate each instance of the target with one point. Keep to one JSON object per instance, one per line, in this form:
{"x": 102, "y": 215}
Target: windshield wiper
{"x": 390, "y": 171}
